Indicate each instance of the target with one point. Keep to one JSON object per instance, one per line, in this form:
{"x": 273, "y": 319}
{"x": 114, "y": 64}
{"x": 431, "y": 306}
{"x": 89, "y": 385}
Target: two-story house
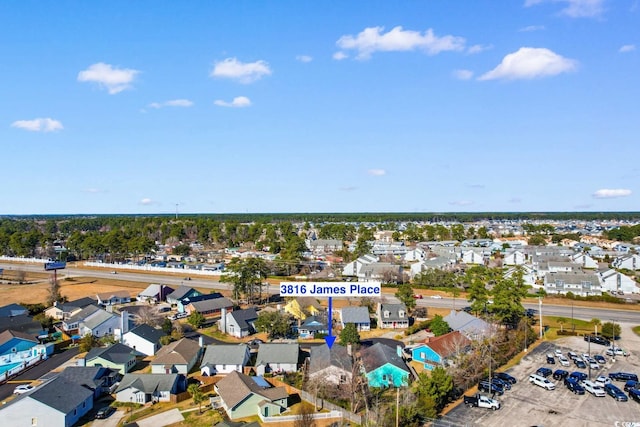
{"x": 392, "y": 316}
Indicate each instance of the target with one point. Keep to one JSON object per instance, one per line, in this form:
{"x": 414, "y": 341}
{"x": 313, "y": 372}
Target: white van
{"x": 593, "y": 388}
{"x": 541, "y": 382}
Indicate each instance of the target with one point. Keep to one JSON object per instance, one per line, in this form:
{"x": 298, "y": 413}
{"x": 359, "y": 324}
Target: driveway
{"x": 112, "y": 421}
{"x": 163, "y": 419}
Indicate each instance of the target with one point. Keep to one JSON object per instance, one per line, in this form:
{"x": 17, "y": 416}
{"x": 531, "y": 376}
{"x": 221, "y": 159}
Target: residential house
{"x": 184, "y": 302}
{"x": 224, "y": 358}
{"x": 396, "y": 249}
{"x": 145, "y": 388}
{"x": 22, "y": 323}
{"x": 438, "y": 262}
{"x": 56, "y": 403}
{"x": 181, "y": 293}
{"x": 117, "y": 356}
{"x": 333, "y": 365}
{"x": 91, "y": 320}
{"x": 16, "y": 342}
{"x": 476, "y": 256}
{"x": 113, "y": 298}
{"x": 301, "y": 307}
{"x": 155, "y": 293}
{"x": 312, "y": 326}
{"x": 478, "y": 243}
{"x": 470, "y": 326}
{"x": 210, "y": 308}
{"x": 63, "y": 311}
{"x": 13, "y": 310}
{"x": 19, "y": 350}
{"x": 380, "y": 271}
{"x": 321, "y": 246}
{"x": 277, "y": 358}
{"x": 440, "y": 351}
{"x": 359, "y": 316}
{"x": 383, "y": 366}
{"x": 238, "y": 323}
{"x": 529, "y": 275}
{"x": 176, "y": 357}
{"x": 615, "y": 282}
{"x": 392, "y": 316}
{"x": 353, "y": 268}
{"x": 514, "y": 257}
{"x": 581, "y": 284}
{"x": 144, "y": 338}
{"x": 584, "y": 260}
{"x": 628, "y": 262}
{"x": 95, "y": 378}
{"x": 416, "y": 254}
{"x": 244, "y": 396}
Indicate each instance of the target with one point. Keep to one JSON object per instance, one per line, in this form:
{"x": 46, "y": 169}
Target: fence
{"x": 135, "y": 267}
{"x": 285, "y": 418}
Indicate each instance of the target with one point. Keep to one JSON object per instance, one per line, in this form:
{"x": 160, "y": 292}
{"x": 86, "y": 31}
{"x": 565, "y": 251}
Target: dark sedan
{"x": 615, "y": 392}
{"x": 506, "y": 377}
{"x": 623, "y": 376}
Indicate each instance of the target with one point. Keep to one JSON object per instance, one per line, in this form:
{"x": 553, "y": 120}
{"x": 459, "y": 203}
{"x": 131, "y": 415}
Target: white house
{"x": 224, "y": 358}
{"x": 277, "y": 358}
{"x": 333, "y": 366}
{"x": 417, "y": 254}
{"x": 353, "y": 268}
{"x": 473, "y": 256}
{"x": 144, "y": 338}
{"x": 582, "y": 284}
{"x": 584, "y": 260}
{"x": 514, "y": 258}
{"x": 629, "y": 262}
{"x": 614, "y": 281}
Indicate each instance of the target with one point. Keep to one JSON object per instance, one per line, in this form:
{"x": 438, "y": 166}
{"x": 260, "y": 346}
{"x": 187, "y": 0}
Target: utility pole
{"x": 176, "y": 210}
{"x": 540, "y": 312}
{"x": 397, "y": 406}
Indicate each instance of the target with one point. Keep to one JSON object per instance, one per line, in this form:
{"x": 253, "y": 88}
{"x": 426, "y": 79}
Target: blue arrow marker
{"x": 330, "y": 339}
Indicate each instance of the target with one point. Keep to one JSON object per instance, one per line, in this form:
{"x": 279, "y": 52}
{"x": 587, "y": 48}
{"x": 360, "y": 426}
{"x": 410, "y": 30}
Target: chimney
{"x": 55, "y": 303}
{"x": 124, "y": 322}
{"x": 201, "y": 341}
{"x": 399, "y": 351}
{"x": 223, "y": 320}
{"x": 349, "y": 350}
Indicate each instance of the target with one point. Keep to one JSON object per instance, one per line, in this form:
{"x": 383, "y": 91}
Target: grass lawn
{"x": 207, "y": 418}
{"x": 558, "y": 323}
{"x": 636, "y": 329}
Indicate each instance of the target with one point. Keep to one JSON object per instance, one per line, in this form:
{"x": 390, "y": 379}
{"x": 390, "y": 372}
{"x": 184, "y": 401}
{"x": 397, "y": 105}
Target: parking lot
{"x": 529, "y": 405}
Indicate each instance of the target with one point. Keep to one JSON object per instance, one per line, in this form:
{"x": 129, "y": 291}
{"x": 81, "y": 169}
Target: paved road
{"x": 38, "y": 371}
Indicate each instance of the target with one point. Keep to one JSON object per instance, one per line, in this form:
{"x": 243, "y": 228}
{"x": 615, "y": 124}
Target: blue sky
{"x": 308, "y": 106}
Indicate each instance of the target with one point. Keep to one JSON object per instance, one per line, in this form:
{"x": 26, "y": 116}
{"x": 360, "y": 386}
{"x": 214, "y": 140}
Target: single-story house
{"x": 238, "y": 323}
{"x": 177, "y": 357}
{"x": 333, "y": 365}
{"x": 145, "y": 388}
{"x": 224, "y": 358}
{"x": 470, "y": 326}
{"x": 12, "y": 310}
{"x": 210, "y": 308}
{"x": 277, "y": 357}
{"x": 244, "y": 396}
{"x": 144, "y": 338}
{"x": 155, "y": 293}
{"x": 359, "y": 316}
{"x": 312, "y": 326}
{"x": 383, "y": 366}
{"x": 440, "y": 351}
{"x": 184, "y": 302}
{"x": 98, "y": 379}
{"x": 116, "y": 356}
{"x": 112, "y": 298}
{"x": 181, "y": 293}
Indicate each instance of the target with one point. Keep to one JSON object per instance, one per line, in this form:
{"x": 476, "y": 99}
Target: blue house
{"x": 184, "y": 302}
{"x": 439, "y": 351}
{"x": 384, "y": 367}
{"x": 181, "y": 293}
{"x": 312, "y": 326}
{"x": 12, "y": 342}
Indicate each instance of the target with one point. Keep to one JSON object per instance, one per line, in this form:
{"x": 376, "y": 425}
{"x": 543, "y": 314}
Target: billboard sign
{"x": 55, "y": 265}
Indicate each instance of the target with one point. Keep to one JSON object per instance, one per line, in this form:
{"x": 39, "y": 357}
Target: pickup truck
{"x": 481, "y": 401}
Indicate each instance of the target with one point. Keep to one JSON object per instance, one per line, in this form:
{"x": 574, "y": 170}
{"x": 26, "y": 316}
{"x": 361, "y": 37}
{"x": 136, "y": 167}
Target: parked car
{"x": 104, "y": 412}
{"x": 551, "y": 360}
{"x": 602, "y": 380}
{"x": 615, "y": 392}
{"x": 490, "y": 388}
{"x": 544, "y": 372}
{"x": 631, "y": 384}
{"x": 593, "y": 388}
{"x": 634, "y": 393}
{"x": 580, "y": 364}
{"x": 623, "y": 376}
{"x": 597, "y": 339}
{"x": 600, "y": 359}
{"x": 500, "y": 382}
{"x": 573, "y": 386}
{"x": 506, "y": 377}
{"x": 571, "y": 355}
{"x": 23, "y": 388}
{"x": 616, "y": 351}
{"x": 481, "y": 401}
{"x": 541, "y": 382}
{"x": 560, "y": 374}
{"x": 593, "y": 365}
{"x": 558, "y": 352}
{"x": 578, "y": 376}
{"x": 563, "y": 361}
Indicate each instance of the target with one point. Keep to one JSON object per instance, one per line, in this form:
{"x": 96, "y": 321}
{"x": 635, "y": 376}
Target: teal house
{"x": 384, "y": 367}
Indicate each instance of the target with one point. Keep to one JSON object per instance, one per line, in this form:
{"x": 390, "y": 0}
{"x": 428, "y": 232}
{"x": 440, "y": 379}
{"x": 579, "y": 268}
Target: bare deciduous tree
{"x": 148, "y": 315}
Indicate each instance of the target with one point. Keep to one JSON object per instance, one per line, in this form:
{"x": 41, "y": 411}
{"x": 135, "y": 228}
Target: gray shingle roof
{"x": 12, "y": 310}
{"x": 9, "y": 334}
{"x": 177, "y": 353}
{"x": 278, "y": 353}
{"x": 235, "y": 387}
{"x": 61, "y": 395}
{"x": 322, "y": 357}
{"x": 224, "y": 354}
{"x": 89, "y": 376}
{"x": 147, "y": 333}
{"x": 394, "y": 312}
{"x": 98, "y": 319}
{"x": 149, "y": 383}
{"x": 212, "y": 304}
{"x": 117, "y": 353}
{"x": 355, "y": 315}
{"x": 243, "y": 316}
{"x": 83, "y": 314}
{"x": 180, "y": 293}
{"x": 378, "y": 355}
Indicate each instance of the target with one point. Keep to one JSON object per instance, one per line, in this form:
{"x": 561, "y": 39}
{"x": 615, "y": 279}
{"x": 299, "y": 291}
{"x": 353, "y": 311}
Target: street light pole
{"x": 540, "y": 312}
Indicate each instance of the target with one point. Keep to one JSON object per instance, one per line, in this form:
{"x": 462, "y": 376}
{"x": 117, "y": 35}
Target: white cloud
{"x": 377, "y": 172}
{"x": 575, "y": 8}
{"x": 114, "y": 79}
{"x": 627, "y": 48}
{"x": 530, "y": 63}
{"x": 249, "y": 72}
{"x": 610, "y": 193}
{"x": 38, "y": 125}
{"x": 146, "y": 201}
{"x": 172, "y": 103}
{"x": 477, "y": 48}
{"x": 238, "y": 102}
{"x": 339, "y": 56}
{"x": 304, "y": 58}
{"x": 462, "y": 74}
{"x": 373, "y": 39}
{"x": 531, "y": 28}
{"x": 461, "y": 203}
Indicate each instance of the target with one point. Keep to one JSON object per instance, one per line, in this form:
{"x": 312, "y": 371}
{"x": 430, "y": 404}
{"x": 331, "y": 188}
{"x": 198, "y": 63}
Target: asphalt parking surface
{"x": 529, "y": 405}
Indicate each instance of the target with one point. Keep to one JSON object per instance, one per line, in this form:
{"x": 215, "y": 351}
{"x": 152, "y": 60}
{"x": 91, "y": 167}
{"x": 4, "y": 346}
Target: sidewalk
{"x": 162, "y": 419}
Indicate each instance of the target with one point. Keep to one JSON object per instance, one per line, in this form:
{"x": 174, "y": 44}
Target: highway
{"x": 174, "y": 280}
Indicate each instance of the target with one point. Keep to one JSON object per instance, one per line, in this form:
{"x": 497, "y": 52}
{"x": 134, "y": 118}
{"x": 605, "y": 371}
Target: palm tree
{"x": 561, "y": 321}
{"x": 596, "y": 322}
{"x": 196, "y": 395}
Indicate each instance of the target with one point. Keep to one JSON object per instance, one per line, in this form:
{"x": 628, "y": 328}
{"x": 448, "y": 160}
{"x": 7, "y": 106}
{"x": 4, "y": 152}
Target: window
{"x": 386, "y": 314}
{"x": 423, "y": 355}
{"x": 343, "y": 378}
{"x": 34, "y": 422}
{"x": 401, "y": 313}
